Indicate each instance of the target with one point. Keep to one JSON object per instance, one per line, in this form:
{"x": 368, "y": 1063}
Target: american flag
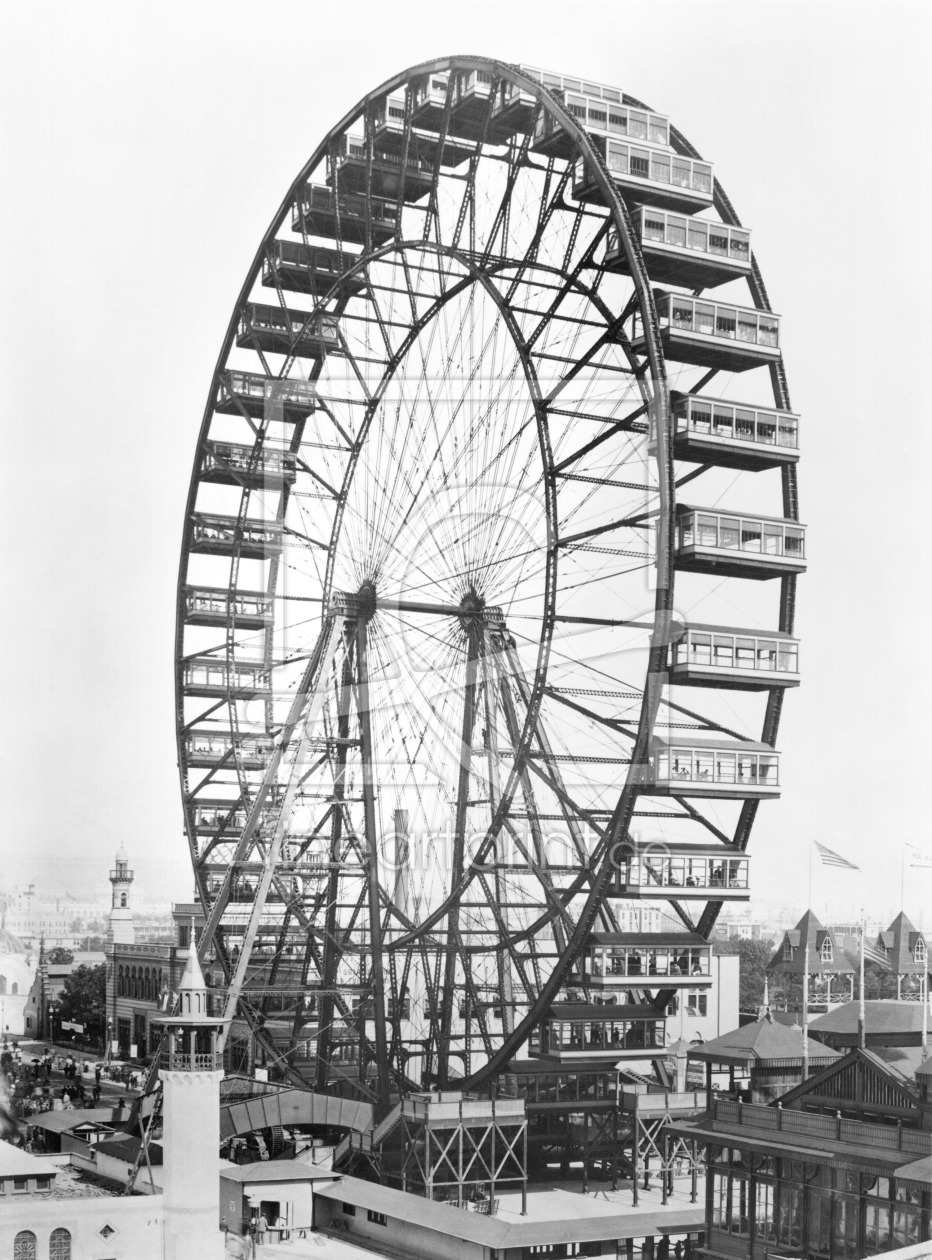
{"x": 873, "y": 953}
{"x": 831, "y": 858}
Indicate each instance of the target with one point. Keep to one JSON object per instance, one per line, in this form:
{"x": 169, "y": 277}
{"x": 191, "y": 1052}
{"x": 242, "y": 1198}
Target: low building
{"x": 810, "y": 953}
{"x": 271, "y": 1201}
{"x": 17, "y": 972}
{"x": 558, "y": 1223}
{"x": 50, "y": 1209}
{"x": 704, "y": 1014}
{"x": 761, "y": 1060}
{"x": 838, "y": 1168}
{"x": 886, "y": 1023}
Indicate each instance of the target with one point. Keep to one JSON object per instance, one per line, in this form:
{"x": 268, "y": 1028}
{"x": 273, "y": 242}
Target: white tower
{"x": 121, "y": 930}
{"x": 191, "y": 1070}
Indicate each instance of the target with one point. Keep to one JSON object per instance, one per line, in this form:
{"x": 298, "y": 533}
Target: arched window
{"x": 119, "y": 984}
{"x": 15, "y": 989}
{"x": 122, "y": 901}
{"x": 24, "y": 1245}
{"x": 2, "y": 985}
{"x": 919, "y": 951}
{"x": 60, "y": 1245}
{"x": 826, "y": 951}
{"x": 133, "y": 983}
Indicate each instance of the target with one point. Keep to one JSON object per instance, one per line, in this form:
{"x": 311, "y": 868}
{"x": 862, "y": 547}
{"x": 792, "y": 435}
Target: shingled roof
{"x": 905, "y": 947}
{"x": 826, "y": 957}
{"x": 764, "y": 1042}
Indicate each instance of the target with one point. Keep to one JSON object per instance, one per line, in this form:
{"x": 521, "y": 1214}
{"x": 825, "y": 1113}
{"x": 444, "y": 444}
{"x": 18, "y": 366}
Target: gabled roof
{"x": 809, "y": 930}
{"x": 764, "y": 1041}
{"x": 861, "y": 1078}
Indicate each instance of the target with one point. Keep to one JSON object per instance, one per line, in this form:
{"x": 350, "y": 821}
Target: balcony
{"x": 208, "y": 748}
{"x": 746, "y": 660}
{"x": 215, "y": 605}
{"x": 681, "y": 872}
{"x": 645, "y": 176}
{"x": 287, "y": 332}
{"x": 733, "y": 545}
{"x": 310, "y": 269}
{"x": 713, "y": 334}
{"x": 733, "y": 435}
{"x": 271, "y": 397}
{"x": 692, "y": 253}
{"x": 389, "y": 176}
{"x": 224, "y": 536}
{"x": 229, "y": 464}
{"x": 635, "y": 960}
{"x": 319, "y": 212}
{"x": 573, "y": 1032}
{"x": 730, "y": 770}
{"x": 213, "y": 676}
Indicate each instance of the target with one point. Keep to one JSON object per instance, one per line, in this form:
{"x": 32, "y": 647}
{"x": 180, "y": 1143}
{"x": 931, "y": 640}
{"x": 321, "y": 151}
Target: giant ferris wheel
{"x": 486, "y": 599}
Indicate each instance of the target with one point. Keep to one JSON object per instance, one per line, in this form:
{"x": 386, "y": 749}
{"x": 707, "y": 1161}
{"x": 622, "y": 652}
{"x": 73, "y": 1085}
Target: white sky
{"x": 146, "y": 148}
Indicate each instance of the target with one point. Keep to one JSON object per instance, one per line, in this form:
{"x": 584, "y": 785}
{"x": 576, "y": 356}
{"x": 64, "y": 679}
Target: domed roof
{"x": 10, "y": 944}
{"x": 121, "y": 854}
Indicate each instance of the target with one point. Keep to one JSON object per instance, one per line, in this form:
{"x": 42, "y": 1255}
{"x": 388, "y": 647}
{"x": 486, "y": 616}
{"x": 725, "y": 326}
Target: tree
{"x": 84, "y": 999}
{"x": 754, "y": 957}
{"x": 60, "y": 955}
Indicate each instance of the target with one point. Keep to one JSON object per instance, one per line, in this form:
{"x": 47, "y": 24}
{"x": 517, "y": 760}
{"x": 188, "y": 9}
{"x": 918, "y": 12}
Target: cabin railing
{"x": 834, "y": 1128}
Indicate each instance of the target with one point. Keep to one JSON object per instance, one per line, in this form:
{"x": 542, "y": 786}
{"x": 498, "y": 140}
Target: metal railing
{"x": 833, "y": 1128}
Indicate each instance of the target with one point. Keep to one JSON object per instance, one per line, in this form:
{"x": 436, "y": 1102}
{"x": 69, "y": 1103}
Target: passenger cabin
{"x": 472, "y": 104}
{"x": 288, "y": 332}
{"x": 712, "y": 334}
{"x": 692, "y": 253}
{"x": 313, "y": 269}
{"x": 574, "y": 1031}
{"x": 230, "y": 464}
{"x": 392, "y": 135}
{"x": 722, "y": 769}
{"x": 746, "y": 660}
{"x": 217, "y": 605}
{"x": 429, "y": 100}
{"x": 637, "y": 960}
{"x": 733, "y": 435}
{"x": 214, "y": 676}
{"x": 646, "y": 176}
{"x": 600, "y": 116}
{"x": 207, "y": 748}
{"x": 259, "y": 396}
{"x": 512, "y": 113}
{"x": 223, "y": 536}
{"x": 680, "y": 871}
{"x": 319, "y": 212}
{"x": 213, "y": 818}
{"x": 388, "y": 175}
{"x": 730, "y": 544}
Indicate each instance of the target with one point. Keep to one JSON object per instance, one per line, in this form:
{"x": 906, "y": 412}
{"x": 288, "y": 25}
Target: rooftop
{"x": 277, "y": 1170}
{"x": 764, "y": 1041}
{"x": 15, "y": 1162}
{"x": 554, "y": 1215}
{"x": 879, "y": 1017}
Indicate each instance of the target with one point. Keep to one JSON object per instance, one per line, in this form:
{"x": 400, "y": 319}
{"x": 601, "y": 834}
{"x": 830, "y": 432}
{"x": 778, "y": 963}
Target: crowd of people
{"x": 28, "y": 1087}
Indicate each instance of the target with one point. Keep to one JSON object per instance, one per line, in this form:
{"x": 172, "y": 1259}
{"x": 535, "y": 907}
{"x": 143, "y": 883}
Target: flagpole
{"x": 806, "y": 1005}
{"x": 925, "y": 1010}
{"x": 862, "y": 1036}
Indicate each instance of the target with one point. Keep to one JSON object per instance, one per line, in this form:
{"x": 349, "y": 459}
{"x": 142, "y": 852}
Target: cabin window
{"x": 682, "y": 173}
{"x": 640, "y": 163}
{"x": 660, "y": 168}
{"x": 705, "y": 317}
{"x": 618, "y": 158}
{"x": 676, "y": 231}
{"x": 723, "y": 426}
{"x": 729, "y": 533}
{"x": 698, "y": 237}
{"x": 658, "y": 130}
{"x": 744, "y": 653}
{"x": 701, "y": 418}
{"x": 740, "y": 246}
{"x": 577, "y": 107}
{"x": 653, "y": 228}
{"x": 744, "y": 425}
{"x": 617, "y": 121}
{"x": 747, "y": 326}
{"x": 597, "y": 117}
{"x": 750, "y": 536}
{"x": 718, "y": 241}
{"x": 725, "y": 322}
{"x": 637, "y": 125}
{"x": 724, "y": 652}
